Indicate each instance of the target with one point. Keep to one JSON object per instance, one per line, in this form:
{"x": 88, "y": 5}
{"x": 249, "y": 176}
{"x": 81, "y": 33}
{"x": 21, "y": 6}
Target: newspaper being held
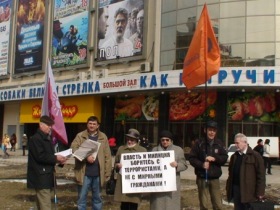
{"x": 87, "y": 148}
{"x": 65, "y": 153}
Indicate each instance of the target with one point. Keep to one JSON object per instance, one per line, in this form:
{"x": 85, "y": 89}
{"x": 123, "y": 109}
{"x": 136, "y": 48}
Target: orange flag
{"x": 203, "y": 57}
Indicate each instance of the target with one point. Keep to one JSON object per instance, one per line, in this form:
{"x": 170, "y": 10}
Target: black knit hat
{"x": 47, "y": 120}
{"x": 166, "y": 134}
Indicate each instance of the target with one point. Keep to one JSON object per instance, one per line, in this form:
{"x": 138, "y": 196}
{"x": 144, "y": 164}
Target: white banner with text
{"x": 148, "y": 172}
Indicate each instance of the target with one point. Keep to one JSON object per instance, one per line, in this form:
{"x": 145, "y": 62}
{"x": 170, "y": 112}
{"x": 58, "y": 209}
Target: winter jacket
{"x": 118, "y": 195}
{"x": 104, "y": 157}
{"x": 259, "y": 149}
{"x": 170, "y": 200}
{"x": 41, "y": 162}
{"x": 198, "y": 154}
{"x": 252, "y": 176}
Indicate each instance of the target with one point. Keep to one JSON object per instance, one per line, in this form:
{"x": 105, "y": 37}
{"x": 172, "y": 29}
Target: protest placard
{"x": 148, "y": 172}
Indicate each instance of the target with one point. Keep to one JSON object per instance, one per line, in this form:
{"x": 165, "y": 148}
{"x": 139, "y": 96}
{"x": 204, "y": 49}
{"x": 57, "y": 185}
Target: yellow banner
{"x": 74, "y": 109}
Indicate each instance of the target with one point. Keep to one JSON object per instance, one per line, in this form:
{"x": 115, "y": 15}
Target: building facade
{"x": 122, "y": 61}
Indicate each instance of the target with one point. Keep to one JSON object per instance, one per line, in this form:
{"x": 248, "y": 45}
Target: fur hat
{"x": 47, "y": 120}
{"x": 133, "y": 133}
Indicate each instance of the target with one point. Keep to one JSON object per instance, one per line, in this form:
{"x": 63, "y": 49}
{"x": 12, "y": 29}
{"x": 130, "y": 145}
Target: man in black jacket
{"x": 41, "y": 163}
{"x": 207, "y": 156}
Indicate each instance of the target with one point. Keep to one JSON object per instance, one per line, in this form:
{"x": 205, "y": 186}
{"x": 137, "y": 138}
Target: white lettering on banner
{"x": 142, "y": 172}
{"x": 227, "y": 77}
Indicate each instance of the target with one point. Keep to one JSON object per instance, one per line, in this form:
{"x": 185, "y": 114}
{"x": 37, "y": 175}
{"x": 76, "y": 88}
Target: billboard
{"x": 29, "y": 35}
{"x": 5, "y": 22}
{"x": 254, "y": 106}
{"x": 70, "y": 33}
{"x": 120, "y": 28}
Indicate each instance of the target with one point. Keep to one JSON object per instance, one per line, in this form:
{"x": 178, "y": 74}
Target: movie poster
{"x": 5, "y": 22}
{"x": 120, "y": 29}
{"x": 70, "y": 33}
{"x": 29, "y": 36}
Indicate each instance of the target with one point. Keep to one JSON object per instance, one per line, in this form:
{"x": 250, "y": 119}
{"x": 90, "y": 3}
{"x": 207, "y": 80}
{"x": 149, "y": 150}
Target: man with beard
{"x": 118, "y": 46}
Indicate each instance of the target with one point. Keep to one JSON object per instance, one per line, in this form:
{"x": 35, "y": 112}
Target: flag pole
{"x": 205, "y": 94}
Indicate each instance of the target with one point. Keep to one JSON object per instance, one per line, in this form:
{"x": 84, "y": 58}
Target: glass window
{"x": 213, "y": 11}
{"x": 277, "y": 51}
{"x": 186, "y": 4}
{"x": 186, "y": 16}
{"x": 277, "y": 28}
{"x": 202, "y": 2}
{"x": 168, "y": 38}
{"x": 277, "y": 7}
{"x": 168, "y": 19}
{"x": 260, "y": 7}
{"x": 168, "y": 58}
{"x": 184, "y": 36}
{"x": 233, "y": 9}
{"x": 259, "y": 50}
{"x": 250, "y": 129}
{"x": 168, "y": 5}
{"x": 260, "y": 29}
{"x": 277, "y": 62}
{"x": 232, "y": 30}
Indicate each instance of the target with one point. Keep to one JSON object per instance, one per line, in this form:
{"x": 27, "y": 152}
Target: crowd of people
{"x": 246, "y": 171}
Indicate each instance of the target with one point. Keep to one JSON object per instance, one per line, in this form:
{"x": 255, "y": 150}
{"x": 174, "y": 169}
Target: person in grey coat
{"x": 169, "y": 200}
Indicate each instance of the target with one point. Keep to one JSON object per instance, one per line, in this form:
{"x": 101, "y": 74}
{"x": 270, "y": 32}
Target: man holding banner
{"x": 169, "y": 200}
{"x": 128, "y": 201}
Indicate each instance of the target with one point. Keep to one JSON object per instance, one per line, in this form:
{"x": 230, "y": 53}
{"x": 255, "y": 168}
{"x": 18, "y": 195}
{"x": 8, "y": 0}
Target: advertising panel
{"x": 73, "y": 110}
{"x": 120, "y": 29}
{"x": 190, "y": 106}
{"x": 70, "y": 33}
{"x": 254, "y": 106}
{"x": 5, "y": 22}
{"x": 136, "y": 108}
{"x": 29, "y": 36}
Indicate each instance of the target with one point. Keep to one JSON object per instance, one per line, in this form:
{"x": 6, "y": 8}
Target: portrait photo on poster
{"x": 120, "y": 29}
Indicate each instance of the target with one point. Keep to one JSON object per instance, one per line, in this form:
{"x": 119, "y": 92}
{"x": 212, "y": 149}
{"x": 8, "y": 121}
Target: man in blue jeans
{"x": 92, "y": 173}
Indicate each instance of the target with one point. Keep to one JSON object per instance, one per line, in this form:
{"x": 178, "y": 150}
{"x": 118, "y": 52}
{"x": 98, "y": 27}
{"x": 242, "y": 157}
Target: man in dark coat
{"x": 246, "y": 177}
{"x": 41, "y": 163}
{"x": 207, "y": 156}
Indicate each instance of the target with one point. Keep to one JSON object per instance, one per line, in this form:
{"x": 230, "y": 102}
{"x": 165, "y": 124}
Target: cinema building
{"x": 137, "y": 82}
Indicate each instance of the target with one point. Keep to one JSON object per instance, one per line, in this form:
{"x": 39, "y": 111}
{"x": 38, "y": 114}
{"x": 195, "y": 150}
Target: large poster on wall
{"x": 70, "y": 33}
{"x": 254, "y": 106}
{"x": 191, "y": 106}
{"x": 5, "y": 22}
{"x": 137, "y": 108}
{"x": 29, "y": 35}
{"x": 120, "y": 29}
